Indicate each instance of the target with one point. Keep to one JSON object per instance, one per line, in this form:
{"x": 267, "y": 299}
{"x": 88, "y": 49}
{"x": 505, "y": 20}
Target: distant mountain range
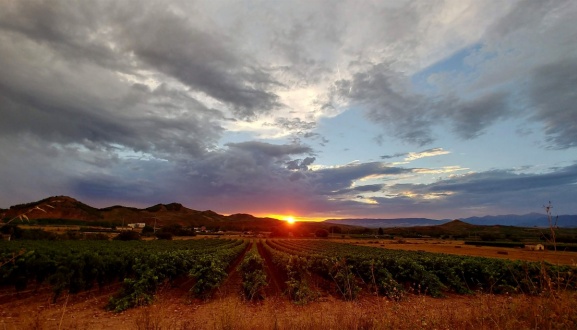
{"x": 526, "y": 220}
{"x": 387, "y": 223}
{"x": 72, "y": 211}
{"x": 68, "y": 208}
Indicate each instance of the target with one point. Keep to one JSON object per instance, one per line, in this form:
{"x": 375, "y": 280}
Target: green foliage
{"x": 96, "y": 236}
{"x": 13, "y": 230}
{"x": 296, "y": 270}
{"x": 298, "y": 288}
{"x": 128, "y": 235}
{"x": 322, "y": 233}
{"x": 209, "y": 273}
{"x": 143, "y": 266}
{"x": 279, "y": 232}
{"x": 335, "y": 230}
{"x": 147, "y": 230}
{"x": 391, "y": 272}
{"x": 342, "y": 274}
{"x": 164, "y": 235}
{"x": 253, "y": 276}
{"x": 177, "y": 230}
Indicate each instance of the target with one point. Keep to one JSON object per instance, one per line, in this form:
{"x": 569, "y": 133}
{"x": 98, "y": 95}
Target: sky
{"x": 313, "y": 109}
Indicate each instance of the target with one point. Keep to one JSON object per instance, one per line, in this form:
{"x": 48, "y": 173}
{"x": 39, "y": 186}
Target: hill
{"x": 526, "y": 220}
{"x": 387, "y": 223}
{"x": 67, "y": 210}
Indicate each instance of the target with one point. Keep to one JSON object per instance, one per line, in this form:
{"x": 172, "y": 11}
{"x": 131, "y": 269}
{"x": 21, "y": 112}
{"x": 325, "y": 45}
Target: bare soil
{"x": 276, "y": 281}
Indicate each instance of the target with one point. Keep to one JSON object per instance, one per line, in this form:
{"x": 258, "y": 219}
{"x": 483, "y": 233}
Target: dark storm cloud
{"x": 554, "y": 98}
{"x": 161, "y": 122}
{"x": 75, "y": 30}
{"x": 299, "y": 164}
{"x": 58, "y": 83}
{"x": 471, "y": 118}
{"x": 114, "y": 35}
{"x": 523, "y": 15}
{"x": 490, "y": 192}
{"x": 200, "y": 59}
{"x": 411, "y": 116}
{"x": 516, "y": 72}
{"x": 397, "y": 155}
{"x": 249, "y": 167}
{"x": 270, "y": 150}
{"x": 506, "y": 181}
{"x": 359, "y": 189}
{"x": 403, "y": 113}
{"x": 547, "y": 84}
{"x": 128, "y": 100}
{"x": 335, "y": 179}
{"x": 243, "y": 177}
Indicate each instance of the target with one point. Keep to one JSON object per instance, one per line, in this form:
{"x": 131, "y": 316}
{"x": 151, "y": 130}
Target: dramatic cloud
{"x": 335, "y": 179}
{"x": 410, "y": 156}
{"x": 287, "y": 106}
{"x": 554, "y": 102}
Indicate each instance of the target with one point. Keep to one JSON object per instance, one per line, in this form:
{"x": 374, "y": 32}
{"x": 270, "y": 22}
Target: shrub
{"x": 147, "y": 230}
{"x": 335, "y": 229}
{"x": 128, "y": 236}
{"x": 253, "y": 276}
{"x": 322, "y": 233}
{"x": 163, "y": 235}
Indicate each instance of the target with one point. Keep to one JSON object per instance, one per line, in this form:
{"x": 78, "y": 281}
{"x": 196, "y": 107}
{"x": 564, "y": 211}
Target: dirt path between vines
{"x": 233, "y": 283}
{"x": 276, "y": 281}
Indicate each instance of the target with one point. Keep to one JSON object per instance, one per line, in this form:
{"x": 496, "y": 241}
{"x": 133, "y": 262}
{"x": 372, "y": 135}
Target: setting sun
{"x": 290, "y": 219}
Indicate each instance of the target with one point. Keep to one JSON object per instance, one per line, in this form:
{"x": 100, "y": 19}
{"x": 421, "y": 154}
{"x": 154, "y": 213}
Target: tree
{"x": 164, "y": 235}
{"x": 147, "y": 230}
{"x": 322, "y": 233}
{"x": 552, "y": 225}
{"x": 278, "y": 232}
{"x": 14, "y": 231}
{"x": 335, "y": 229}
{"x": 381, "y": 231}
{"x": 128, "y": 235}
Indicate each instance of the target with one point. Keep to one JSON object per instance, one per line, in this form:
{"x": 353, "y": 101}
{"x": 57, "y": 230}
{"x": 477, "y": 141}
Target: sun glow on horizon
{"x": 296, "y": 218}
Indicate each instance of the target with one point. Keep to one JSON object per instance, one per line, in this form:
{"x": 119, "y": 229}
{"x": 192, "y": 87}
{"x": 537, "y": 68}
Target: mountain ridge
{"x": 525, "y": 220}
{"x": 65, "y": 209}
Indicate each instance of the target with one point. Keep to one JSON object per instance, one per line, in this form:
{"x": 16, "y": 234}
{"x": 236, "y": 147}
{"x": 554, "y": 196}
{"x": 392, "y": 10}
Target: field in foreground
{"x": 171, "y": 312}
{"x": 306, "y": 284}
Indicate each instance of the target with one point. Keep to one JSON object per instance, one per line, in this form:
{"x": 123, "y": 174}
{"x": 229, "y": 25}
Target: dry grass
{"x": 554, "y": 311}
{"x": 449, "y": 247}
{"x": 478, "y": 312}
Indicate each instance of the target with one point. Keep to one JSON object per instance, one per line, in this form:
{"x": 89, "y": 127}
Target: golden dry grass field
{"x": 172, "y": 310}
{"x": 459, "y": 248}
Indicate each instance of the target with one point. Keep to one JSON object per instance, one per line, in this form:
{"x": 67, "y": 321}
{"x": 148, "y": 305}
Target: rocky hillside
{"x": 64, "y": 209}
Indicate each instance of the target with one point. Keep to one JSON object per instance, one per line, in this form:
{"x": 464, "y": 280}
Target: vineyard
{"x": 393, "y": 273}
{"x": 302, "y": 270}
{"x": 141, "y": 267}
